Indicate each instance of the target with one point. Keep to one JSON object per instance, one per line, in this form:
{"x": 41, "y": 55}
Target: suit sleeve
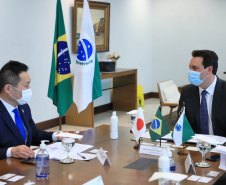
{"x": 180, "y": 103}
{"x": 3, "y": 153}
{"x": 37, "y": 135}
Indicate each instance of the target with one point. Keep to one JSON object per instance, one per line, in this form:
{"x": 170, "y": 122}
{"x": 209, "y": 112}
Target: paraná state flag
{"x": 158, "y": 127}
{"x": 60, "y": 86}
{"x": 139, "y": 126}
{"x": 87, "y": 80}
{"x": 182, "y": 131}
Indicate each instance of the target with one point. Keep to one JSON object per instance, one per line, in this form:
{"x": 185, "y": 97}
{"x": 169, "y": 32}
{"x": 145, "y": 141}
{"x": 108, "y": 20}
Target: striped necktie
{"x": 204, "y": 118}
{"x": 19, "y": 123}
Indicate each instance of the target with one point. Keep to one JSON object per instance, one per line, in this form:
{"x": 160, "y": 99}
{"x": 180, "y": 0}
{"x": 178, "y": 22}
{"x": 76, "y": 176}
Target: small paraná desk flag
{"x": 87, "y": 80}
{"x": 158, "y": 127}
{"x": 182, "y": 131}
{"x": 139, "y": 126}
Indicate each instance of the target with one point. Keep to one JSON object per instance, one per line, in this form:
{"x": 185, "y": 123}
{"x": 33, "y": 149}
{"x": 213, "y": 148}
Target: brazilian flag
{"x": 60, "y": 86}
{"x": 158, "y": 127}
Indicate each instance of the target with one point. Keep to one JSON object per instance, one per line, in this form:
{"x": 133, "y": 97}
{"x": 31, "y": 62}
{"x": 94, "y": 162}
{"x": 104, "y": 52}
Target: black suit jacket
{"x": 190, "y": 96}
{"x": 10, "y": 134}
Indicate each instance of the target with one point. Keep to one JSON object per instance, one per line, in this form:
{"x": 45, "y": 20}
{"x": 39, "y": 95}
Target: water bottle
{"x": 42, "y": 162}
{"x": 164, "y": 165}
{"x": 172, "y": 162}
{"x": 114, "y": 126}
{"x": 164, "y": 162}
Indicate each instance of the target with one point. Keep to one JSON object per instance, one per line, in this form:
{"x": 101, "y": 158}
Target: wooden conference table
{"x": 120, "y": 152}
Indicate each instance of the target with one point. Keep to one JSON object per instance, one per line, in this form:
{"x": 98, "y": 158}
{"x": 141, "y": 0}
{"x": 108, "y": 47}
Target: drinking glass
{"x": 68, "y": 143}
{"x": 203, "y": 147}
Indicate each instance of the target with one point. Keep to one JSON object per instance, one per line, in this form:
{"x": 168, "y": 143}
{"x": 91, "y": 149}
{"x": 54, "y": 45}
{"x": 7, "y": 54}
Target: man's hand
{"x": 22, "y": 151}
{"x": 60, "y": 138}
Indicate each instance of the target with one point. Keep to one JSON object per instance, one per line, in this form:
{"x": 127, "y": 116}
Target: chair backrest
{"x": 161, "y": 86}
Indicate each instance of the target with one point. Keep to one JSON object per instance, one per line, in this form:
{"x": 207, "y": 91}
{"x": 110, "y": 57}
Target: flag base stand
{"x": 183, "y": 151}
{"x": 137, "y": 145}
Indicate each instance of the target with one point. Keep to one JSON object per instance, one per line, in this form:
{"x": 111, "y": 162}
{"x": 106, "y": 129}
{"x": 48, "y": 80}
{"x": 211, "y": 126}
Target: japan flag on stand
{"x": 139, "y": 126}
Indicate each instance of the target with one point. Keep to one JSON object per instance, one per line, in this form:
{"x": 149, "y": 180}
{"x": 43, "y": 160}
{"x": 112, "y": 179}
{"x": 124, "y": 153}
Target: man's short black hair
{"x": 210, "y": 58}
{"x": 10, "y": 72}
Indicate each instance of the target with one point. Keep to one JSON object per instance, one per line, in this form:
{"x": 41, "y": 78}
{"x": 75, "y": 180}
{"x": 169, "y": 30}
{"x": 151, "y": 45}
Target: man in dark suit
{"x": 17, "y": 128}
{"x": 205, "y": 97}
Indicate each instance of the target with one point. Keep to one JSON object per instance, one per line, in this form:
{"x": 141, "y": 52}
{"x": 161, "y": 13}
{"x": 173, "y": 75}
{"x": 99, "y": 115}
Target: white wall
{"x": 154, "y": 36}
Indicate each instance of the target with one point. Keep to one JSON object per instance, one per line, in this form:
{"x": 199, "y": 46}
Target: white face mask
{"x": 26, "y": 96}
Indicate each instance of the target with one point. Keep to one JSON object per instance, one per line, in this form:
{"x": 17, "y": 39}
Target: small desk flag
{"x": 87, "y": 81}
{"x": 182, "y": 131}
{"x": 158, "y": 127}
{"x": 60, "y": 86}
{"x": 139, "y": 126}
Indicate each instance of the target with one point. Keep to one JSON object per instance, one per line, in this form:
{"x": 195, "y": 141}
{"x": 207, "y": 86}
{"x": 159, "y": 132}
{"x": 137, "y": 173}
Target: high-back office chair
{"x": 168, "y": 94}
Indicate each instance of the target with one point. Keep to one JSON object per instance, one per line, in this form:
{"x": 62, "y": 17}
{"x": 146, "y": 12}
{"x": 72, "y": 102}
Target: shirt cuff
{"x": 54, "y": 137}
{"x": 8, "y": 153}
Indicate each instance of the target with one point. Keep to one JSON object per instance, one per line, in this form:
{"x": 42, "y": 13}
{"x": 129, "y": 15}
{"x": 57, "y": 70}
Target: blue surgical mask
{"x": 194, "y": 77}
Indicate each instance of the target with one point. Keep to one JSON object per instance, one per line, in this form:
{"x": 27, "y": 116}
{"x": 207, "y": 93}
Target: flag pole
{"x": 182, "y": 151}
{"x": 137, "y": 145}
{"x": 60, "y": 122}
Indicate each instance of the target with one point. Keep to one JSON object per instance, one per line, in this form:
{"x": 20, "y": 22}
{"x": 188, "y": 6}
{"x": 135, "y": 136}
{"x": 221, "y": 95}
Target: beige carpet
{"x": 150, "y": 108}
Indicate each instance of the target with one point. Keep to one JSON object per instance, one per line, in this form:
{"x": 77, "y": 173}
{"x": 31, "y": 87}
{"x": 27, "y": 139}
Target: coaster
{"x": 141, "y": 164}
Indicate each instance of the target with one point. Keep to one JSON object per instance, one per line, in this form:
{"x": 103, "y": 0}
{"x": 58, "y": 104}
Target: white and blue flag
{"x": 87, "y": 81}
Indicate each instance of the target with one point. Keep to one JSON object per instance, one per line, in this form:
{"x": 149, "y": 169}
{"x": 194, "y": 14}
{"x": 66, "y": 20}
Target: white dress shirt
{"x": 209, "y": 101}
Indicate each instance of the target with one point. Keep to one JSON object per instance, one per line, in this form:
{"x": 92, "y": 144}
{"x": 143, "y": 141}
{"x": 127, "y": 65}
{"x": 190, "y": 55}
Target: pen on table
{"x": 81, "y": 156}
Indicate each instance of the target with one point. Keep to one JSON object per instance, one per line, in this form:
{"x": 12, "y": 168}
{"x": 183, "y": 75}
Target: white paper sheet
{"x": 219, "y": 149}
{"x": 193, "y": 178}
{"x": 6, "y": 176}
{"x": 16, "y": 178}
{"x": 57, "y": 151}
{"x": 217, "y": 139}
{"x": 206, "y": 138}
{"x": 192, "y": 148}
{"x": 171, "y": 176}
{"x": 94, "y": 151}
{"x": 205, "y": 179}
{"x": 2, "y": 183}
{"x": 150, "y": 150}
{"x": 64, "y": 134}
{"x": 96, "y": 181}
{"x": 213, "y": 173}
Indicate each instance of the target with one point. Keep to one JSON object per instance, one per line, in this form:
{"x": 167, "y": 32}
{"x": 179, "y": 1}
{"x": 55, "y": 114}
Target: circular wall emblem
{"x": 85, "y": 50}
{"x": 155, "y": 124}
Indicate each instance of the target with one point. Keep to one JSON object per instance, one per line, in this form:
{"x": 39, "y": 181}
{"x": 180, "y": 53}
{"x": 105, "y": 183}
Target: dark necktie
{"x": 19, "y": 123}
{"x": 204, "y": 125}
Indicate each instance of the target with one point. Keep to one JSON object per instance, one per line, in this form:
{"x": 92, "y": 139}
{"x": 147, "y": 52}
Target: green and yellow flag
{"x": 60, "y": 86}
{"x": 158, "y": 127}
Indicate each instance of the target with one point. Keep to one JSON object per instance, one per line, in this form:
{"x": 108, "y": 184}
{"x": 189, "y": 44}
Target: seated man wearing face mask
{"x": 205, "y": 98}
{"x": 17, "y": 128}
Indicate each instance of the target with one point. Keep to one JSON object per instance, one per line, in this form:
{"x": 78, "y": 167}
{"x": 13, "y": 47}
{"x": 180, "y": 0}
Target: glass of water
{"x": 203, "y": 147}
{"x": 68, "y": 143}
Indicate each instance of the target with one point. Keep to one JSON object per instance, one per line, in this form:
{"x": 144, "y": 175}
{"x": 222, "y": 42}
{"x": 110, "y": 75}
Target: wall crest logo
{"x": 85, "y": 50}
